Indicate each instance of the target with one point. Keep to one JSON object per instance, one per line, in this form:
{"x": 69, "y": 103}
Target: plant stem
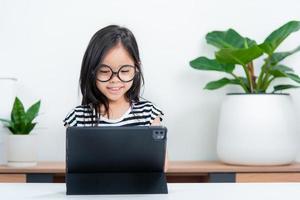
{"x": 241, "y": 82}
{"x": 248, "y": 77}
{"x": 250, "y": 68}
{"x": 268, "y": 83}
{"x": 260, "y": 77}
{"x": 264, "y": 74}
{"x": 265, "y": 81}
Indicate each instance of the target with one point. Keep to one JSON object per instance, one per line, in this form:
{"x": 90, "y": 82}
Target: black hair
{"x": 101, "y": 42}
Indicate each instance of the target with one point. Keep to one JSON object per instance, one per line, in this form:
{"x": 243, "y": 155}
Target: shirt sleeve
{"x": 156, "y": 112}
{"x": 70, "y": 119}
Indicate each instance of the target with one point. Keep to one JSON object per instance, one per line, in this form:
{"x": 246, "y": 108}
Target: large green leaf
{"x": 12, "y": 129}
{"x": 277, "y": 36}
{"x": 282, "y": 68}
{"x": 5, "y": 121}
{"x": 281, "y": 73}
{"x": 203, "y": 63}
{"x": 18, "y": 128}
{"x": 32, "y": 112}
{"x": 278, "y": 73}
{"x": 220, "y": 83}
{"x": 228, "y": 39}
{"x": 279, "y": 56}
{"x": 18, "y": 115}
{"x": 284, "y": 87}
{"x": 294, "y": 77}
{"x": 238, "y": 56}
{"x": 29, "y": 128}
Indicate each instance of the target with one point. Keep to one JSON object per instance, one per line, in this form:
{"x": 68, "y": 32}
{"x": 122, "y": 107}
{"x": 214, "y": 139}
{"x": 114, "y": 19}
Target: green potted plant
{"x": 22, "y": 144}
{"x": 256, "y": 126}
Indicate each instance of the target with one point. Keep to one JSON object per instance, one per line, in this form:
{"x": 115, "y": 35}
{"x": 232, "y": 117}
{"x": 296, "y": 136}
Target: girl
{"x": 110, "y": 82}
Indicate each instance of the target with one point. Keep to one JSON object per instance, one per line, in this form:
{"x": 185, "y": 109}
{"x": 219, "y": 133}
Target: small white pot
{"x": 3, "y": 146}
{"x": 22, "y": 150}
{"x": 257, "y": 129}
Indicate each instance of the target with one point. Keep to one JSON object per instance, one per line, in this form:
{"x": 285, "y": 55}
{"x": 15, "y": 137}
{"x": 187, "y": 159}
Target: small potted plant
{"x": 22, "y": 144}
{"x": 256, "y": 126}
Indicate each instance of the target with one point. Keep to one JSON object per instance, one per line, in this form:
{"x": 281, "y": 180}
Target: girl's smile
{"x": 115, "y": 89}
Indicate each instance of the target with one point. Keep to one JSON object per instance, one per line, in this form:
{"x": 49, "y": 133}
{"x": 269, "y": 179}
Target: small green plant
{"x": 21, "y": 122}
{"x": 236, "y": 50}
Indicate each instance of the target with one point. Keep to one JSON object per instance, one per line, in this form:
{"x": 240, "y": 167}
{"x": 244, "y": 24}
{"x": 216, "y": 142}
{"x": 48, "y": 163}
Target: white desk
{"x": 182, "y": 191}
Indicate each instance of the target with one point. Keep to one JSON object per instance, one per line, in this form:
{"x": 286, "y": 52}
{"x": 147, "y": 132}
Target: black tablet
{"x": 116, "y": 160}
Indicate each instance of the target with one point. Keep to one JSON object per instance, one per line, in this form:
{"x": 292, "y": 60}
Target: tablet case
{"x": 115, "y": 160}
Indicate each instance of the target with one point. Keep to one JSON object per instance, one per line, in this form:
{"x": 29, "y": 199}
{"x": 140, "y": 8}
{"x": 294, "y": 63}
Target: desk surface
{"x": 177, "y": 191}
{"x": 174, "y": 167}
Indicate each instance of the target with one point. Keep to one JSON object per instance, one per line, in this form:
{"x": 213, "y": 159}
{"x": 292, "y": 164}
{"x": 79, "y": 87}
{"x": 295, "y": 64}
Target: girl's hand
{"x": 156, "y": 122}
{"x": 166, "y": 163}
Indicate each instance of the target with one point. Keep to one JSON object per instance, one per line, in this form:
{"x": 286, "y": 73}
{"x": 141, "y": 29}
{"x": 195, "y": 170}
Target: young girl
{"x": 110, "y": 82}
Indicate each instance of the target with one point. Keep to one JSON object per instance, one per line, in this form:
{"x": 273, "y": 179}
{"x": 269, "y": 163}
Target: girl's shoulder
{"x": 147, "y": 108}
{"x": 145, "y": 105}
{"x": 80, "y": 111}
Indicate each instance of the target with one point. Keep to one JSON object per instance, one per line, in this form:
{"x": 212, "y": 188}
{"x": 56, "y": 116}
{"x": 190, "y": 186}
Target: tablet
{"x": 116, "y": 160}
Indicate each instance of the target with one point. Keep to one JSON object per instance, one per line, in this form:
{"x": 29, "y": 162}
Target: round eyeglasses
{"x": 126, "y": 73}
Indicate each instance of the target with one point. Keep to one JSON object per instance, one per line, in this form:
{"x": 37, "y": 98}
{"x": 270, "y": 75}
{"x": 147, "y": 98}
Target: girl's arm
{"x": 156, "y": 122}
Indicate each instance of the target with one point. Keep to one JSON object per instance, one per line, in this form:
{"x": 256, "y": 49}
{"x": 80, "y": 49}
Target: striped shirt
{"x": 140, "y": 113}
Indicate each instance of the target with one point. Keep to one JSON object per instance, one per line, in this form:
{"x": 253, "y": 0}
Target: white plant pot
{"x": 257, "y": 129}
{"x": 3, "y": 146}
{"x": 22, "y": 150}
{"x": 7, "y": 95}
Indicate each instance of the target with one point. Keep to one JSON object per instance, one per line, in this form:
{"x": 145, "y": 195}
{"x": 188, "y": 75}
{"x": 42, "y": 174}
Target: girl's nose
{"x": 115, "y": 78}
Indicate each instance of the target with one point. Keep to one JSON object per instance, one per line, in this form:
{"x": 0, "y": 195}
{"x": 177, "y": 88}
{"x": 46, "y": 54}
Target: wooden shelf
{"x": 41, "y": 167}
{"x": 217, "y": 166}
{"x": 178, "y": 171}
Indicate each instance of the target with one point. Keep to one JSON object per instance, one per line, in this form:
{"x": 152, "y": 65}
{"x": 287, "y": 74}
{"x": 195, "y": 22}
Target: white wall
{"x": 42, "y": 44}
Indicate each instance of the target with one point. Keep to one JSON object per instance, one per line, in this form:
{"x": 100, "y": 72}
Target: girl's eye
{"x": 124, "y": 71}
{"x": 104, "y": 72}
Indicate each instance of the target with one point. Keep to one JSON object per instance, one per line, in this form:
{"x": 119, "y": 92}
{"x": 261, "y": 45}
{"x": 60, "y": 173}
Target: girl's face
{"x": 115, "y": 89}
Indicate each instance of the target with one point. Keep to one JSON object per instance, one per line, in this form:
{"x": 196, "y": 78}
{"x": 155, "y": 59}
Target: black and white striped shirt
{"x": 140, "y": 113}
